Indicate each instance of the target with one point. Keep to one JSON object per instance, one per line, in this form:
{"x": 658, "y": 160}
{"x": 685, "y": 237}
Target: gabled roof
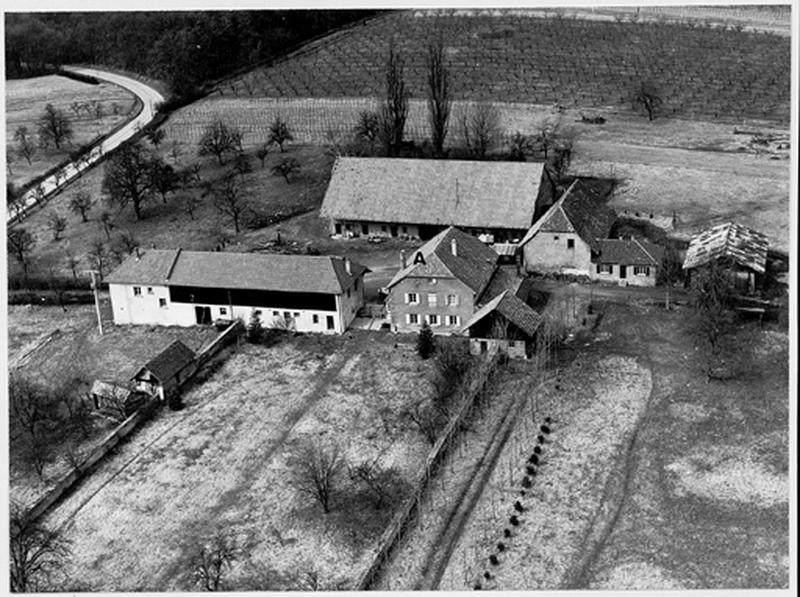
{"x": 513, "y": 309}
{"x": 746, "y": 247}
{"x": 434, "y": 192}
{"x": 473, "y": 264}
{"x": 628, "y": 252}
{"x": 578, "y": 211}
{"x": 253, "y": 271}
{"x": 169, "y": 361}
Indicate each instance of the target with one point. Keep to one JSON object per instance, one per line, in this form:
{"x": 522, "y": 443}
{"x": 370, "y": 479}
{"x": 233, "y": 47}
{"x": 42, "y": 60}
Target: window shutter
{"x": 408, "y": 298}
{"x": 598, "y": 268}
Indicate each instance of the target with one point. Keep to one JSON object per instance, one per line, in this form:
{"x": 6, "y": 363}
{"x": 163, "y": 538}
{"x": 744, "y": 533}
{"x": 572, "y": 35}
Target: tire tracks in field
{"x": 615, "y": 494}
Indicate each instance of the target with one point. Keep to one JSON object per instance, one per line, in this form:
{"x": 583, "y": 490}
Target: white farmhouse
{"x": 174, "y": 287}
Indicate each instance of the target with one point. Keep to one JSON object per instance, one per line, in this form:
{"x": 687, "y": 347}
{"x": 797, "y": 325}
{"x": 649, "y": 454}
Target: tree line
{"x": 185, "y": 49}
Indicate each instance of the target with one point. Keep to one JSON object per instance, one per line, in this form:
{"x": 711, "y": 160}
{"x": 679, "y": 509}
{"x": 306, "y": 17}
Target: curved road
{"x": 150, "y": 99}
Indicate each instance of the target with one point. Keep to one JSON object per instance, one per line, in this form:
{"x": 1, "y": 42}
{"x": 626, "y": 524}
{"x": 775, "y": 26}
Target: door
{"x": 202, "y": 315}
{"x": 484, "y": 345}
{"x": 338, "y": 228}
{"x": 329, "y": 321}
{"x": 623, "y": 272}
{"x": 393, "y": 230}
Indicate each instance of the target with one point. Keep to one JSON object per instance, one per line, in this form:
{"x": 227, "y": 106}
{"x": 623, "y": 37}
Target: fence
{"x": 66, "y": 482}
{"x": 230, "y": 334}
{"x": 473, "y": 390}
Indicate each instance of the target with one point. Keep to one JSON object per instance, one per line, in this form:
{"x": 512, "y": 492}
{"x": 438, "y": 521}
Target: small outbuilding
{"x": 504, "y": 324}
{"x": 164, "y": 373}
{"x": 742, "y": 252}
{"x": 114, "y": 400}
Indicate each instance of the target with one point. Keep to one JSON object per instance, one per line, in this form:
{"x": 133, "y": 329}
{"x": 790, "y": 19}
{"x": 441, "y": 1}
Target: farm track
{"x": 617, "y": 490}
{"x": 445, "y": 544}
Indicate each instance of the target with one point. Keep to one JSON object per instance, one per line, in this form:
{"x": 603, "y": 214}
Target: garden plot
{"x": 223, "y": 463}
{"x": 92, "y": 110}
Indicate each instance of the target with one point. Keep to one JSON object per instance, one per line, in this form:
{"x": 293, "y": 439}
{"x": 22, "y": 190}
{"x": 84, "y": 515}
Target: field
{"x": 55, "y": 347}
{"x": 653, "y": 478}
{"x": 93, "y": 110}
{"x": 705, "y": 73}
{"x": 223, "y": 463}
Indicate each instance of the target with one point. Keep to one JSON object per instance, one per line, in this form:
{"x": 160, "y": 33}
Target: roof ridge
{"x": 646, "y": 252}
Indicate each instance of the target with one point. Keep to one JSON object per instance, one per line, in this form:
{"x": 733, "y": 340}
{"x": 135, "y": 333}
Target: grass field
{"x": 25, "y": 102}
{"x": 222, "y": 462}
{"x": 654, "y": 478}
{"x": 708, "y": 73}
{"x": 53, "y": 347}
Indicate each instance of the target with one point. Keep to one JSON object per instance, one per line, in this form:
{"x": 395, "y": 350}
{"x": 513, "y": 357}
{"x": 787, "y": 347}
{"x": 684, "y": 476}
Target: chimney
{"x": 454, "y": 247}
{"x": 402, "y": 259}
{"x": 347, "y": 267}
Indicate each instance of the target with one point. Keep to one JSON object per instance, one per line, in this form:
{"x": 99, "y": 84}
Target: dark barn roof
{"x": 169, "y": 361}
{"x": 251, "y": 271}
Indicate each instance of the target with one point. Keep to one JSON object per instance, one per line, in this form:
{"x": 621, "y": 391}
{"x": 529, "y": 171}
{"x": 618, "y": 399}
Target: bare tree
{"x": 58, "y": 224}
{"x": 218, "y": 139}
{"x": 279, "y": 133}
{"x": 287, "y": 167}
{"x": 369, "y": 127}
{"x": 31, "y": 412}
{"x": 438, "y": 94}
{"x": 81, "y": 203}
{"x": 394, "y": 110}
{"x": 241, "y": 164}
{"x": 163, "y": 179}
{"x": 155, "y": 136}
{"x": 54, "y": 127}
{"x": 98, "y": 255}
{"x": 212, "y": 559}
{"x": 20, "y": 244}
{"x": 26, "y": 147}
{"x": 128, "y": 177}
{"x": 36, "y": 553}
{"x": 649, "y": 96}
{"x": 712, "y": 300}
{"x": 72, "y": 263}
{"x": 428, "y": 419}
{"x": 316, "y": 469}
{"x": 521, "y": 146}
{"x": 229, "y": 201}
{"x": 189, "y": 203}
{"x": 107, "y": 223}
{"x": 381, "y": 482}
{"x": 262, "y": 152}
{"x": 481, "y": 129}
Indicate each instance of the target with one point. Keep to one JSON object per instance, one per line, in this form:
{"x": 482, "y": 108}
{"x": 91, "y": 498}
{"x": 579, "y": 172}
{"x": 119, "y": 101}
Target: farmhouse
{"x": 162, "y": 375}
{"x": 742, "y": 252}
{"x": 572, "y": 238}
{"x": 443, "y": 282}
{"x": 420, "y": 198}
{"x": 504, "y": 324}
{"x": 174, "y": 287}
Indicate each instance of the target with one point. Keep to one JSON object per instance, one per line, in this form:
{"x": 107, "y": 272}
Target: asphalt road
{"x": 150, "y": 99}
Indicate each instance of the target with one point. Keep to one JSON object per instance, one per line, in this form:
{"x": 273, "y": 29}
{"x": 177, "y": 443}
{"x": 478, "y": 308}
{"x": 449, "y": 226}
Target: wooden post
{"x": 96, "y": 301}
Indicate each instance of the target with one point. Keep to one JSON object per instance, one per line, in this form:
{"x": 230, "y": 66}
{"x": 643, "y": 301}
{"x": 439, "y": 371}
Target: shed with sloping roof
{"x": 505, "y": 324}
{"x": 164, "y": 373}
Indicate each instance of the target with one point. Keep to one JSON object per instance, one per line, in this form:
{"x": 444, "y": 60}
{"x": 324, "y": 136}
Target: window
{"x": 432, "y": 300}
{"x": 452, "y": 300}
{"x": 223, "y": 310}
{"x": 405, "y": 229}
{"x": 555, "y": 238}
{"x": 452, "y": 320}
{"x": 364, "y": 229}
{"x": 276, "y": 314}
{"x": 162, "y": 303}
{"x": 433, "y": 319}
{"x": 149, "y": 290}
{"x": 570, "y": 243}
{"x": 137, "y": 291}
{"x": 412, "y": 318}
{"x": 412, "y": 298}
{"x": 383, "y": 228}
{"x": 641, "y": 270}
{"x": 296, "y": 315}
{"x": 329, "y": 322}
{"x": 315, "y": 319}
{"x": 511, "y": 344}
{"x": 431, "y": 280}
{"x": 605, "y": 268}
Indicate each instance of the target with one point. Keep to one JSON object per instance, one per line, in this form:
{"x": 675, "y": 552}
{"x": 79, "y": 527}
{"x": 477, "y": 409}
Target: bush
{"x": 426, "y": 342}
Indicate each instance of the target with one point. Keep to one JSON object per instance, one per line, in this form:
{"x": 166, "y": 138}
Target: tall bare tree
{"x": 481, "y": 129}
{"x": 81, "y": 203}
{"x": 36, "y": 553}
{"x": 438, "y": 94}
{"x": 228, "y": 200}
{"x": 26, "y": 147}
{"x": 20, "y": 243}
{"x": 127, "y": 178}
{"x": 54, "y": 127}
{"x": 218, "y": 139}
{"x": 650, "y": 97}
{"x": 316, "y": 470}
{"x": 394, "y": 110}
{"x": 279, "y": 133}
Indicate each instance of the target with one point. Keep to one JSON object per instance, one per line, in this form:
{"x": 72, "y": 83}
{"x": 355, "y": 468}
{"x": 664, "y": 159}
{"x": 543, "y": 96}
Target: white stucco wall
{"x": 631, "y": 279}
{"x": 548, "y": 252}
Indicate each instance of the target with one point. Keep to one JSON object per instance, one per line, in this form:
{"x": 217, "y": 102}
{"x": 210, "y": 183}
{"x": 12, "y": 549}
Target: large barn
{"x": 420, "y": 198}
{"x": 174, "y": 287}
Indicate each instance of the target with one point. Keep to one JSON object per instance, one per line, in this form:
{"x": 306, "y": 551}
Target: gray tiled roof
{"x": 170, "y": 360}
{"x": 628, "y": 252}
{"x": 255, "y": 271}
{"x": 513, "y": 309}
{"x": 746, "y": 247}
{"x": 433, "y": 192}
{"x": 473, "y": 264}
